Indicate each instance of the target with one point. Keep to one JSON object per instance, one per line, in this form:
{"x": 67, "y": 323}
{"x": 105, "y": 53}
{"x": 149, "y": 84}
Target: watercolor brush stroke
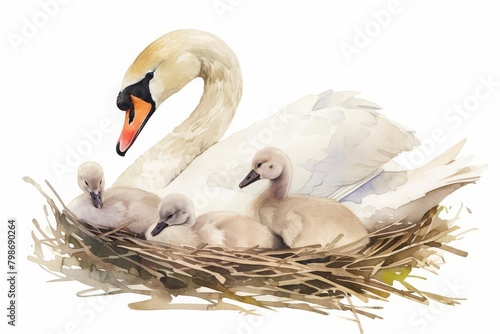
{"x": 340, "y": 147}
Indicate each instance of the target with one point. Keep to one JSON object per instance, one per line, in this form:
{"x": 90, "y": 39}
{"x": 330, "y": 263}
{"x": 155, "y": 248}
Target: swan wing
{"x": 362, "y": 142}
{"x": 335, "y": 141}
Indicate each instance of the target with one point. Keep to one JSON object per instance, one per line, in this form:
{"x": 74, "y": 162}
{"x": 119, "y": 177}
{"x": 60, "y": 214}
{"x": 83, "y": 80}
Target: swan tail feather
{"x": 407, "y": 195}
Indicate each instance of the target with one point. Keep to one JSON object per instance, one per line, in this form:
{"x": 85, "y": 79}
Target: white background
{"x": 62, "y": 80}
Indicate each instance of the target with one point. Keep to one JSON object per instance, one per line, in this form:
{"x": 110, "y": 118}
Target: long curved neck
{"x": 162, "y": 163}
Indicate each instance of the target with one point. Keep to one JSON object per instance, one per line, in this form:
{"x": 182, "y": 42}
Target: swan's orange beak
{"x": 135, "y": 119}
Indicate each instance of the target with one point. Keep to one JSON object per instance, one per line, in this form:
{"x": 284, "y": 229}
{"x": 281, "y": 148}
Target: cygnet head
{"x": 91, "y": 181}
{"x": 174, "y": 209}
{"x": 268, "y": 163}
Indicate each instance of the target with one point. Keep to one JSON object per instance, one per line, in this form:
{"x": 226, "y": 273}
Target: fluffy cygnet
{"x": 299, "y": 220}
{"x": 132, "y": 208}
{"x": 178, "y": 225}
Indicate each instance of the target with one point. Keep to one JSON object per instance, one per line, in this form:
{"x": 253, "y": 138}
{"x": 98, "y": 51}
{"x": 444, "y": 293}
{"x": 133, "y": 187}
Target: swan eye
{"x": 259, "y": 165}
{"x": 170, "y": 216}
{"x": 271, "y": 167}
{"x": 87, "y": 184}
{"x": 100, "y": 182}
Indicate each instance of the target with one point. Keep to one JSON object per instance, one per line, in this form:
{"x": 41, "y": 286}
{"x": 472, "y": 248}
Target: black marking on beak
{"x": 158, "y": 228}
{"x": 131, "y": 114}
{"x": 139, "y": 89}
{"x": 250, "y": 178}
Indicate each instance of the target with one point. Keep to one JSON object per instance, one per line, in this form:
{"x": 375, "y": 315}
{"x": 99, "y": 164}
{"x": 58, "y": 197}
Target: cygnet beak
{"x": 250, "y": 178}
{"x": 96, "y": 199}
{"x": 158, "y": 228}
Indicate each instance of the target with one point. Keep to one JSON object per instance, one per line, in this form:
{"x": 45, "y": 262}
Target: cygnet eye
{"x": 170, "y": 216}
{"x": 259, "y": 165}
{"x": 86, "y": 183}
{"x": 271, "y": 167}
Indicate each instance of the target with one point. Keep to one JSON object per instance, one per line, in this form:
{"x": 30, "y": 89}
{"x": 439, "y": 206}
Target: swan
{"x": 299, "y": 220}
{"x": 134, "y": 209}
{"x": 339, "y": 145}
{"x": 178, "y": 225}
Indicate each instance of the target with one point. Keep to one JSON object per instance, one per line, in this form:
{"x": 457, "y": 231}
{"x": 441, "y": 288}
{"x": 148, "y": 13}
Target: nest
{"x": 310, "y": 278}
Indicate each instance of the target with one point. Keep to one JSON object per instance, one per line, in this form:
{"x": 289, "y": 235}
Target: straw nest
{"x": 309, "y": 278}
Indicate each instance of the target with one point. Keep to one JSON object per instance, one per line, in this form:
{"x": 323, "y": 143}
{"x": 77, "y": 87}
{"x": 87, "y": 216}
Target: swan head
{"x": 174, "y": 209}
{"x": 162, "y": 69}
{"x": 268, "y": 163}
{"x": 91, "y": 181}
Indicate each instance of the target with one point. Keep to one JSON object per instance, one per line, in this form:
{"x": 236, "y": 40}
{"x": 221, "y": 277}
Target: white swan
{"x": 336, "y": 141}
{"x": 134, "y": 209}
{"x": 299, "y": 220}
{"x": 178, "y": 225}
